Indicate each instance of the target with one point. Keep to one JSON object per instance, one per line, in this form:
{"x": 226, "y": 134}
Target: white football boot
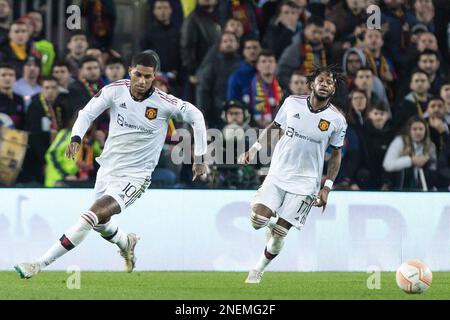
{"x": 128, "y": 253}
{"x": 27, "y": 270}
{"x": 254, "y": 276}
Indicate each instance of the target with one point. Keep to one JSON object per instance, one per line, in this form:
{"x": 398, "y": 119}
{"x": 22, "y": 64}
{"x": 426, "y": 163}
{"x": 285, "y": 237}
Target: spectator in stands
{"x": 240, "y": 80}
{"x": 115, "y": 70}
{"x": 423, "y": 12}
{"x": 298, "y": 85}
{"x": 77, "y": 46}
{"x": 304, "y": 53}
{"x": 44, "y": 118}
{"x": 397, "y": 36}
{"x": 353, "y": 60}
{"x": 38, "y": 24}
{"x": 439, "y": 128}
{"x": 420, "y": 42}
{"x": 180, "y": 9}
{"x": 61, "y": 171}
{"x": 445, "y": 95}
{"x": 163, "y": 36}
{"x": 213, "y": 76}
{"x": 333, "y": 46}
{"x": 97, "y": 54}
{"x": 411, "y": 157}
{"x": 378, "y": 133}
{"x": 28, "y": 86}
{"x": 61, "y": 73}
{"x": 346, "y": 15}
{"x": 279, "y": 33}
{"x": 58, "y": 167}
{"x": 444, "y": 167}
{"x": 414, "y": 103}
{"x": 234, "y": 25}
{"x": 18, "y": 48}
{"x": 429, "y": 61}
{"x": 356, "y": 158}
{"x": 101, "y": 20}
{"x": 199, "y": 32}
{"x": 11, "y": 104}
{"x": 5, "y": 16}
{"x": 427, "y": 40}
{"x": 236, "y": 118}
{"x": 42, "y": 48}
{"x": 381, "y": 65}
{"x": 265, "y": 92}
{"x": 364, "y": 81}
{"x": 245, "y": 10}
{"x": 87, "y": 84}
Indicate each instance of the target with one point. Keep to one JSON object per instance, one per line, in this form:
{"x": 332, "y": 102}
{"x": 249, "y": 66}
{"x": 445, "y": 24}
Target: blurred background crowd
{"x": 236, "y": 60}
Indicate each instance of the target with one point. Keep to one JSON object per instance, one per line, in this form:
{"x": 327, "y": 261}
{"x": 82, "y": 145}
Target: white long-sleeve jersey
{"x": 137, "y": 129}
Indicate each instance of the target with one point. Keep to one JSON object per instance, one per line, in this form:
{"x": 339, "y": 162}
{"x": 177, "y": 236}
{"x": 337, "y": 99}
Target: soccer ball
{"x": 414, "y": 276}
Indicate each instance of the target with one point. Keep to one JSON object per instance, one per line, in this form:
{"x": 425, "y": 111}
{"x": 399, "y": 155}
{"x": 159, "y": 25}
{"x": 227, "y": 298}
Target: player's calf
{"x": 276, "y": 242}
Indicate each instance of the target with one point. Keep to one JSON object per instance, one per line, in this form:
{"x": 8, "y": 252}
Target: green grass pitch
{"x": 213, "y": 285}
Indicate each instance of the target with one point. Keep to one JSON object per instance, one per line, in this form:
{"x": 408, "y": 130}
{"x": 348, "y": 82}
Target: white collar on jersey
{"x": 308, "y": 102}
{"x": 146, "y": 96}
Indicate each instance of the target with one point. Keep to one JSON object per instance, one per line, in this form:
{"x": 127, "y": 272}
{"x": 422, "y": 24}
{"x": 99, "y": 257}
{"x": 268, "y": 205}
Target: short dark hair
{"x": 315, "y": 20}
{"x": 445, "y": 82}
{"x": 366, "y": 68}
{"x": 87, "y": 59}
{"x": 435, "y": 97}
{"x": 380, "y": 106}
{"x": 266, "y": 53}
{"x": 249, "y": 37}
{"x": 48, "y": 78}
{"x": 230, "y": 33}
{"x": 146, "y": 59}
{"x": 114, "y": 60}
{"x": 288, "y": 3}
{"x": 76, "y": 33}
{"x": 61, "y": 63}
{"x": 428, "y": 52}
{"x": 7, "y": 65}
{"x": 18, "y": 22}
{"x": 298, "y": 73}
{"x": 417, "y": 70}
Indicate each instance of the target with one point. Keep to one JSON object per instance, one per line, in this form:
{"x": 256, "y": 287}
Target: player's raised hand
{"x": 72, "y": 150}
{"x": 199, "y": 170}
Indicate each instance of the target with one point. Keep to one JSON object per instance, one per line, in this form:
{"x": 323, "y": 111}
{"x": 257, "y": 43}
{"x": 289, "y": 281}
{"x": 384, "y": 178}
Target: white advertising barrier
{"x": 211, "y": 230}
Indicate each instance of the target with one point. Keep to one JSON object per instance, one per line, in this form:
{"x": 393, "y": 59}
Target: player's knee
{"x": 104, "y": 208}
{"x": 258, "y": 221}
{"x": 262, "y": 210}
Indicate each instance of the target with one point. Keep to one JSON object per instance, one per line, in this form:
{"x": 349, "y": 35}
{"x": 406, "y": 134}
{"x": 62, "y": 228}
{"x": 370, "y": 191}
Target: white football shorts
{"x": 294, "y": 208}
{"x": 125, "y": 190}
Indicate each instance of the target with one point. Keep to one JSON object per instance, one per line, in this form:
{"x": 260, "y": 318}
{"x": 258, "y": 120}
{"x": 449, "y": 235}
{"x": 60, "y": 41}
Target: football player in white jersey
{"x": 139, "y": 115}
{"x": 307, "y": 125}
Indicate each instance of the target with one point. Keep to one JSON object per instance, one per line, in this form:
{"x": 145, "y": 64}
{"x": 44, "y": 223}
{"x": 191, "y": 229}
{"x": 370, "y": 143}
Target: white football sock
{"x": 111, "y": 232}
{"x": 273, "y": 248}
{"x": 70, "y": 239}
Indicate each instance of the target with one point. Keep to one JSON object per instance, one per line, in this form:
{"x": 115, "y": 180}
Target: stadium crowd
{"x": 237, "y": 61}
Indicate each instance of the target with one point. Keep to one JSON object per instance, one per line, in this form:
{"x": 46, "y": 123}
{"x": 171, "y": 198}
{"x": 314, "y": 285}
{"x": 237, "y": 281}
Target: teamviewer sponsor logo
{"x": 290, "y": 132}
{"x": 120, "y": 120}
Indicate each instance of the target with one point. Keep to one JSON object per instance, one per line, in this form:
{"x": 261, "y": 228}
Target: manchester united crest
{"x": 151, "y": 113}
{"x": 324, "y": 125}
